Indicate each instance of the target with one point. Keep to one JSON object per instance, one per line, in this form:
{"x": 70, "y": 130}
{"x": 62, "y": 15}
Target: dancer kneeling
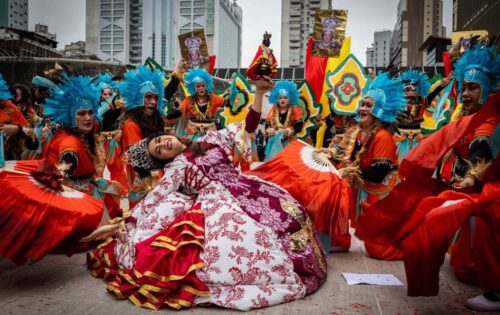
{"x": 238, "y": 242}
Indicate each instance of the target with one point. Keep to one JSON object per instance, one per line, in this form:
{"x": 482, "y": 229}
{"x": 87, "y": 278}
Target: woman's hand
{"x": 182, "y": 66}
{"x": 270, "y": 132}
{"x": 263, "y": 85}
{"x": 102, "y": 233}
{"x": 9, "y": 129}
{"x": 465, "y": 183}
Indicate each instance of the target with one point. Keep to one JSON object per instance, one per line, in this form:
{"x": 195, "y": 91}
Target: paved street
{"x": 62, "y": 285}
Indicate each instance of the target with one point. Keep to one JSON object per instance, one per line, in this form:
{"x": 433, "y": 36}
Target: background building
{"x": 476, "y": 15}
{"x": 18, "y": 43}
{"x": 379, "y": 54}
{"x": 44, "y": 31}
{"x": 297, "y": 22}
{"x": 417, "y": 20}
{"x": 77, "y": 51}
{"x": 435, "y": 46}
{"x": 14, "y": 14}
{"x": 154, "y": 25}
{"x": 370, "y": 56}
{"x": 107, "y": 29}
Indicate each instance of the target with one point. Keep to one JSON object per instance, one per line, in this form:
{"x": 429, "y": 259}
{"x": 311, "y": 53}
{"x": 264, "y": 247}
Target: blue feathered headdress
{"x": 104, "y": 81}
{"x": 196, "y": 76}
{"x": 139, "y": 82}
{"x": 418, "y": 79}
{"x": 480, "y": 65}
{"x": 388, "y": 97}
{"x": 73, "y": 94}
{"x": 4, "y": 90}
{"x": 285, "y": 88}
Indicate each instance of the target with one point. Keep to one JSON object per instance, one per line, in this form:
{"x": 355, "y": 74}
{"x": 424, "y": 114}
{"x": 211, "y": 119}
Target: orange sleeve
{"x": 270, "y": 115}
{"x": 131, "y": 134}
{"x": 184, "y": 106}
{"x": 69, "y": 143}
{"x": 297, "y": 113}
{"x": 487, "y": 127}
{"x": 384, "y": 147}
{"x": 17, "y": 117}
{"x": 217, "y": 102}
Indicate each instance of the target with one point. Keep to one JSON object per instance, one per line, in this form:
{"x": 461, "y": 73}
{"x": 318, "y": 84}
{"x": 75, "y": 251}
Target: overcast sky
{"x": 66, "y": 18}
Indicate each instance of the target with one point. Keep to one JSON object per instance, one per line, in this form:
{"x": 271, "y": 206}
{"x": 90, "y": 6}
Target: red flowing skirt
{"x": 164, "y": 273}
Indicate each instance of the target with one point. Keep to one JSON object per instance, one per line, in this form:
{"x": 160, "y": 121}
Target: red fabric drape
{"x": 212, "y": 59}
{"x": 315, "y": 70}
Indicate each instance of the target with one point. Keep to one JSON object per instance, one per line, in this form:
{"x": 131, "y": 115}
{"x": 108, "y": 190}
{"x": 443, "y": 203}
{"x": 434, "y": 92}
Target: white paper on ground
{"x": 371, "y": 278}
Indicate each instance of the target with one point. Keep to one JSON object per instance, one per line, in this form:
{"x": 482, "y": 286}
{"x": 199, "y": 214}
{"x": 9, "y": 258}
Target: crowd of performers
{"x": 203, "y": 228}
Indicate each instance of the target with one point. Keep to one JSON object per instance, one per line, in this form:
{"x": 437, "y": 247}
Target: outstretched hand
{"x": 102, "y": 233}
{"x": 263, "y": 84}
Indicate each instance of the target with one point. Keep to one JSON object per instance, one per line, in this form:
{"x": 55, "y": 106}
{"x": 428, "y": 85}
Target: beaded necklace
{"x": 196, "y": 109}
{"x": 276, "y": 118}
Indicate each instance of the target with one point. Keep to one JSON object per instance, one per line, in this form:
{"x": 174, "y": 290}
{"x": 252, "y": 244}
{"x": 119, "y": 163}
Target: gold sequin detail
{"x": 299, "y": 239}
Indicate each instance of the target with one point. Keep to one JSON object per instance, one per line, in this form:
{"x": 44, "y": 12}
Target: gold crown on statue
{"x": 193, "y": 43}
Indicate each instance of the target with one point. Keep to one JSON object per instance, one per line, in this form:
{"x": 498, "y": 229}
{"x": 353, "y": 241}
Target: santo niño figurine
{"x": 264, "y": 63}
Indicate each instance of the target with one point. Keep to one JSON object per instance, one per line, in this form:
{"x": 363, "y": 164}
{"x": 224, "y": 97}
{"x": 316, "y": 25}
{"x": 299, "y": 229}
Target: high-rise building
{"x": 14, "y": 14}
{"x": 108, "y": 29}
{"x": 417, "y": 20}
{"x": 153, "y": 27}
{"x": 380, "y": 51}
{"x": 297, "y": 23}
{"x": 370, "y": 56}
{"x": 476, "y": 15}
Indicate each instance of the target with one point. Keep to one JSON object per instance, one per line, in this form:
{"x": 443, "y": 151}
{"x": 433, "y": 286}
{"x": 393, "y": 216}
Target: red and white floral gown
{"x": 253, "y": 244}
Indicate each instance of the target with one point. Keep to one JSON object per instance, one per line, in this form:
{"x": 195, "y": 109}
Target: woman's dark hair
{"x": 25, "y": 92}
{"x": 150, "y": 126}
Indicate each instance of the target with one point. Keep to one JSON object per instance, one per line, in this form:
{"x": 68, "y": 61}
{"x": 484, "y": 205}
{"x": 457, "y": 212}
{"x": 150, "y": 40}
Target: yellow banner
{"x": 241, "y": 98}
{"x": 310, "y": 108}
{"x": 345, "y": 86}
{"x": 332, "y": 64}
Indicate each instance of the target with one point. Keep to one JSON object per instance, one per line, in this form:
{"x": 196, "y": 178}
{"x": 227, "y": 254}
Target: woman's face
{"x": 283, "y": 101}
{"x": 327, "y": 36}
{"x": 200, "y": 88}
{"x": 19, "y": 95}
{"x": 194, "y": 55}
{"x": 150, "y": 102}
{"x": 165, "y": 147}
{"x": 471, "y": 92}
{"x": 411, "y": 91}
{"x": 106, "y": 93}
{"x": 364, "y": 112}
{"x": 85, "y": 121}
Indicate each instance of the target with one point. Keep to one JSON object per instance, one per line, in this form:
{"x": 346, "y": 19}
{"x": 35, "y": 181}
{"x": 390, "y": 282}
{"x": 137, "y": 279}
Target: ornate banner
{"x": 241, "y": 98}
{"x": 345, "y": 86}
{"x": 311, "y": 109}
{"x": 466, "y": 38}
{"x": 194, "y": 49}
{"x": 329, "y": 32}
{"x": 431, "y": 124}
